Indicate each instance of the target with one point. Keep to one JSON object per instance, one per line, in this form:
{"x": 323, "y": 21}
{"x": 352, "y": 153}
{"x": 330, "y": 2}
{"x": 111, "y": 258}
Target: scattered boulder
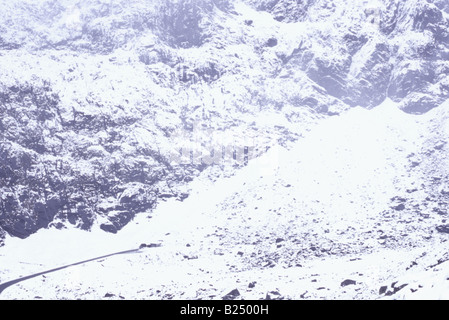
{"x": 232, "y": 295}
{"x": 108, "y": 228}
{"x": 270, "y": 264}
{"x": 383, "y": 289}
{"x": 415, "y": 164}
{"x": 439, "y": 211}
{"x": 190, "y": 257}
{"x": 395, "y": 288}
{"x": 411, "y": 265}
{"x": 348, "y": 282}
{"x": 272, "y": 42}
{"x": 440, "y": 145}
{"x": 443, "y": 228}
{"x": 398, "y": 198}
{"x": 182, "y": 197}
{"x": 273, "y": 295}
{"x": 399, "y": 207}
{"x": 444, "y": 190}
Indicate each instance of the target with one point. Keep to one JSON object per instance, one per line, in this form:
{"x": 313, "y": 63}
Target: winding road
{"x": 5, "y": 285}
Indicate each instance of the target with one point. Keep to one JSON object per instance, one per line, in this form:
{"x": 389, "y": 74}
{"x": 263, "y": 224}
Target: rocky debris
{"x": 383, "y": 290}
{"x": 399, "y": 207}
{"x": 190, "y": 257}
{"x": 399, "y": 203}
{"x": 440, "y": 145}
{"x": 394, "y": 288}
{"x": 414, "y": 263}
{"x": 284, "y": 10}
{"x": 249, "y": 22}
{"x": 444, "y": 189}
{"x": 232, "y": 295}
{"x": 441, "y": 260}
{"x": 182, "y": 197}
{"x": 273, "y": 295}
{"x": 272, "y": 42}
{"x": 348, "y": 282}
{"x": 443, "y": 228}
{"x": 2, "y": 236}
{"x": 252, "y": 284}
{"x": 440, "y": 211}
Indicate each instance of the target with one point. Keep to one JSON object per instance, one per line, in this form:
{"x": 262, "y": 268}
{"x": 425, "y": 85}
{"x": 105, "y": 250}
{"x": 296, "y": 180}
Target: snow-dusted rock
{"x": 270, "y": 136}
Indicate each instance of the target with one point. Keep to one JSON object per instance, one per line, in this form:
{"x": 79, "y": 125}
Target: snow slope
{"x": 319, "y": 220}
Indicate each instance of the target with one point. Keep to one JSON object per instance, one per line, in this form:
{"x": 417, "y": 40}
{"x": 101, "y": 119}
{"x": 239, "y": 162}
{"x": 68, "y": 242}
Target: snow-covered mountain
{"x": 95, "y": 96}
{"x": 348, "y": 213}
{"x": 273, "y": 137}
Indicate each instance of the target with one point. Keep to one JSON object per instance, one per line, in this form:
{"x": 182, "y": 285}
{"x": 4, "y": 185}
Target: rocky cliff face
{"x": 363, "y": 52}
{"x": 97, "y": 96}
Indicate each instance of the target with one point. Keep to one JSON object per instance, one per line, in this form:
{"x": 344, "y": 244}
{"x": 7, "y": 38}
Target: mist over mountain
{"x": 110, "y": 108}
